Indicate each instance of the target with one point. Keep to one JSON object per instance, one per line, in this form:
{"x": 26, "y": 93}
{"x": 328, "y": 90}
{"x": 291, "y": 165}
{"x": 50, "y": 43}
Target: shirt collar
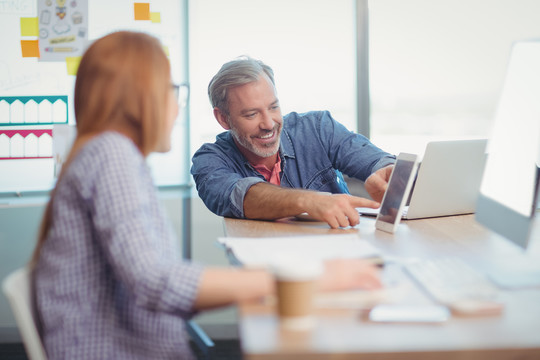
{"x": 286, "y": 147}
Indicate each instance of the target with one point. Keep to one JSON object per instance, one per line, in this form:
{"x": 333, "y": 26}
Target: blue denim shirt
{"x": 315, "y": 150}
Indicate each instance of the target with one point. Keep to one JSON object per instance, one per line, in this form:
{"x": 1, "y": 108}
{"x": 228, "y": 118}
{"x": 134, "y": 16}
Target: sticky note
{"x": 30, "y": 48}
{"x": 72, "y": 63}
{"x": 142, "y": 11}
{"x": 166, "y": 50}
{"x": 155, "y": 17}
{"x": 29, "y": 26}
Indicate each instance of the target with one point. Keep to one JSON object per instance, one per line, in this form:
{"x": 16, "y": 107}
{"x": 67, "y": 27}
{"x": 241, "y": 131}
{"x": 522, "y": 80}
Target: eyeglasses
{"x": 181, "y": 92}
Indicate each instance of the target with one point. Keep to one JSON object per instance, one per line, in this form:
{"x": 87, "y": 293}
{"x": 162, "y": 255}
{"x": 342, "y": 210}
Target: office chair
{"x": 16, "y": 287}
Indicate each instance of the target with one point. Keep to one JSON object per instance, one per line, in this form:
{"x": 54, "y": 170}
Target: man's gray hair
{"x": 240, "y": 71}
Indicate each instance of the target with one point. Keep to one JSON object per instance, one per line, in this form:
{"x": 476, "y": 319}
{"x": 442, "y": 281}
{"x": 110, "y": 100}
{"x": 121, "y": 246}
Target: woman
{"x": 108, "y": 278}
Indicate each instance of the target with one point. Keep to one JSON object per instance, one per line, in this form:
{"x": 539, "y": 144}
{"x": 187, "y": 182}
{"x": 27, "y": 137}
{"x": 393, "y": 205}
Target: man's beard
{"x": 265, "y": 152}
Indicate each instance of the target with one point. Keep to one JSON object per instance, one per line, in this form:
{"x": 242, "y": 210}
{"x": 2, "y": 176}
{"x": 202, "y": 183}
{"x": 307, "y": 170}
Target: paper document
{"x": 265, "y": 251}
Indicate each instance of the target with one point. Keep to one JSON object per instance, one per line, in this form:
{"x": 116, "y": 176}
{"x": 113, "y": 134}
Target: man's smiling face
{"x": 255, "y": 118}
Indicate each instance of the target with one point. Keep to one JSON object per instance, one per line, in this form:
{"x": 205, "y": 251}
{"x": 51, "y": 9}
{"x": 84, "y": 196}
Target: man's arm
{"x": 267, "y": 201}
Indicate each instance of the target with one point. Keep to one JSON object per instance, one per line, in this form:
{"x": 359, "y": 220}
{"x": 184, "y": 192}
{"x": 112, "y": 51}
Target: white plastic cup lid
{"x": 296, "y": 269}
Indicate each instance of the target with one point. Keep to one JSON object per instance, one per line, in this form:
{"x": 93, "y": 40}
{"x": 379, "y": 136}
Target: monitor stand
{"x": 515, "y": 273}
{"x": 516, "y": 279}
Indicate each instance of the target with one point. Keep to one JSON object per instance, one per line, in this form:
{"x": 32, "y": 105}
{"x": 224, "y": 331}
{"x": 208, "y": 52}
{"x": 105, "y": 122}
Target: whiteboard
{"x": 28, "y": 77}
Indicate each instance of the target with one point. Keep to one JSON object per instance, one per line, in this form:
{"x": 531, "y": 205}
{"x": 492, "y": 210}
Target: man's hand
{"x": 377, "y": 182}
{"x": 338, "y": 210}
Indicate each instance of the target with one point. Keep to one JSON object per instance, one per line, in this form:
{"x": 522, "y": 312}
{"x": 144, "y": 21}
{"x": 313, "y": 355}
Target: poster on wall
{"x": 41, "y": 45}
{"x": 63, "y": 29}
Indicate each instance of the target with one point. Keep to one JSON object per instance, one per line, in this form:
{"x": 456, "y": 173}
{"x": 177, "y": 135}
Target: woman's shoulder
{"x": 106, "y": 151}
{"x": 111, "y": 143}
{"x": 109, "y": 146}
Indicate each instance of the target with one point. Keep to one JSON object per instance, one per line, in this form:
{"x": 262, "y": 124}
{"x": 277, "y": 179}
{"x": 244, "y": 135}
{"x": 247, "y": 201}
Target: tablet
{"x": 396, "y": 194}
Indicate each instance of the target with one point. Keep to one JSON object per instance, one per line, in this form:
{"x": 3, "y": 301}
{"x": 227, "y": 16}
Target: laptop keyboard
{"x": 404, "y": 212}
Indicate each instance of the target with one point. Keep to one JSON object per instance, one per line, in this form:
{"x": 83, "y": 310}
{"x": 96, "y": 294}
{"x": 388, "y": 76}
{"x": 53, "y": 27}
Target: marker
{"x": 60, "y": 49}
{"x": 376, "y": 260}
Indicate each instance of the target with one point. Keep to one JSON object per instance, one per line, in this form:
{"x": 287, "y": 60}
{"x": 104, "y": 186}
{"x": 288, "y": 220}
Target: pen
{"x": 376, "y": 260}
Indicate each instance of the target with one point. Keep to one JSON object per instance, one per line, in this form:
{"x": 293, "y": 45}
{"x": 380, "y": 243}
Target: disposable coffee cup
{"x": 296, "y": 283}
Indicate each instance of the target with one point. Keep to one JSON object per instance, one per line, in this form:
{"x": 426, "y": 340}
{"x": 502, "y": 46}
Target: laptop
{"x": 448, "y": 180}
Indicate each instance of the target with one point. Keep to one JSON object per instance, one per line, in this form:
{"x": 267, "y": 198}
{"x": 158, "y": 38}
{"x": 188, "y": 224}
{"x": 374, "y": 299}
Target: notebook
{"x": 262, "y": 252}
{"x": 448, "y": 180}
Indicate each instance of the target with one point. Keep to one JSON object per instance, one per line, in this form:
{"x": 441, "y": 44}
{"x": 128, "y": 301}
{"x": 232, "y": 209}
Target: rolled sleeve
{"x": 239, "y": 193}
{"x": 384, "y": 162}
{"x": 183, "y": 287}
{"x": 223, "y": 176}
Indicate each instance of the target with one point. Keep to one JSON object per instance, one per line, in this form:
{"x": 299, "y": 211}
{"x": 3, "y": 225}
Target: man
{"x": 267, "y": 166}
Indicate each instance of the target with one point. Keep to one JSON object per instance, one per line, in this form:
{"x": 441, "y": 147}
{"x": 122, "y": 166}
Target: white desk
{"x": 345, "y": 333}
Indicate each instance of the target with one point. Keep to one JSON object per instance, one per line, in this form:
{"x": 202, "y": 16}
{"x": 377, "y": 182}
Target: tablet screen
{"x": 397, "y": 191}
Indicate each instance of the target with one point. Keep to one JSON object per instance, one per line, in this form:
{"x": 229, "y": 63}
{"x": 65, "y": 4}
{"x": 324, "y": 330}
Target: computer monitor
{"x": 509, "y": 187}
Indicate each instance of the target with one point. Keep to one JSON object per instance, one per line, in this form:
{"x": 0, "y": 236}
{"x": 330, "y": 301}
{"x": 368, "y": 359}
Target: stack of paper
{"x": 266, "y": 251}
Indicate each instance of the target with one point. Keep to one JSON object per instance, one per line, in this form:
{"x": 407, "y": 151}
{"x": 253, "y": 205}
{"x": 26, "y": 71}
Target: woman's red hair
{"x": 123, "y": 84}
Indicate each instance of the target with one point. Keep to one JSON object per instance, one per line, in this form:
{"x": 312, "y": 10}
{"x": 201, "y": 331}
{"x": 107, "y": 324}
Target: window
{"x": 310, "y": 44}
{"x": 437, "y": 66}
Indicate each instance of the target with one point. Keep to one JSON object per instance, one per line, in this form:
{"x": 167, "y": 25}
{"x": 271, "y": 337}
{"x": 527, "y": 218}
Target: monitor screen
{"x": 508, "y": 192}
